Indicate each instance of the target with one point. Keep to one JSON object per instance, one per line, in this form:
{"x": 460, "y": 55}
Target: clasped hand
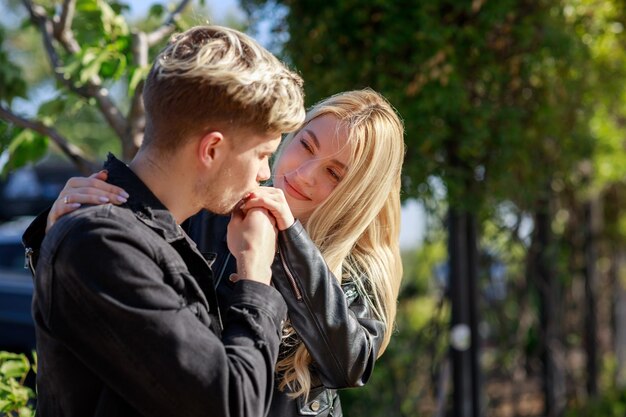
{"x": 252, "y": 232}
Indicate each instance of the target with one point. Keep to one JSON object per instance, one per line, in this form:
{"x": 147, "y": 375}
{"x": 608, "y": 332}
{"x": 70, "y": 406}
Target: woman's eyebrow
{"x": 317, "y": 144}
{"x": 339, "y": 164}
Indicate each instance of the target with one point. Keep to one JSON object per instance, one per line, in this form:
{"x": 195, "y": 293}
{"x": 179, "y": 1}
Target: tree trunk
{"x": 474, "y": 297}
{"x": 591, "y": 313}
{"x": 619, "y": 311}
{"x": 549, "y": 305}
{"x": 462, "y": 249}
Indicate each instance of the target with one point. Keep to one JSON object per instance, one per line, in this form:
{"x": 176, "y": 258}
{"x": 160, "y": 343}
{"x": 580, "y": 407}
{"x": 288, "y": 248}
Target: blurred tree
{"x": 601, "y": 26}
{"x": 491, "y": 95}
{"x": 96, "y": 63}
{"x": 409, "y": 380}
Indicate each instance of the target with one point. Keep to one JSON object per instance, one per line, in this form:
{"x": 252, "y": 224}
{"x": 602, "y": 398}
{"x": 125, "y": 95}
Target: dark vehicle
{"x": 25, "y": 193}
{"x": 29, "y": 190}
{"x": 17, "y": 331}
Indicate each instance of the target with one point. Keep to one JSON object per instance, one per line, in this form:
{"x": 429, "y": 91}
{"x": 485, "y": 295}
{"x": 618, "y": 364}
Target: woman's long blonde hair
{"x": 357, "y": 228}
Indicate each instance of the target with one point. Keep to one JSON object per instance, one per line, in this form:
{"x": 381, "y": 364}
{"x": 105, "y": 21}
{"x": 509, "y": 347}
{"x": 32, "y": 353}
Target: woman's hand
{"x": 85, "y": 190}
{"x": 273, "y": 200}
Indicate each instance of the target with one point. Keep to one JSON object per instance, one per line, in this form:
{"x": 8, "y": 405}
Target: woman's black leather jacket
{"x": 333, "y": 320}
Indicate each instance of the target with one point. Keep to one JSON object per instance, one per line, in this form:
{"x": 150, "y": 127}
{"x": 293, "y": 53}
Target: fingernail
{"x": 103, "y": 199}
{"x": 74, "y": 205}
{"x": 124, "y": 194}
{"x": 104, "y": 171}
{"x": 121, "y": 199}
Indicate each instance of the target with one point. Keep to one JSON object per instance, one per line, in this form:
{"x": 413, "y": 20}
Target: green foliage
{"x": 405, "y": 376}
{"x": 97, "y": 54}
{"x": 24, "y": 146}
{"x": 610, "y": 404}
{"x": 601, "y": 25}
{"x": 476, "y": 82}
{"x": 21, "y": 146}
{"x": 15, "y": 397}
{"x": 11, "y": 83}
{"x": 494, "y": 95}
{"x": 105, "y": 43}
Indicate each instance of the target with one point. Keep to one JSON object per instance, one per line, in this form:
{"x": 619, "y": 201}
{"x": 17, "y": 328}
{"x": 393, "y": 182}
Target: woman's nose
{"x": 306, "y": 173}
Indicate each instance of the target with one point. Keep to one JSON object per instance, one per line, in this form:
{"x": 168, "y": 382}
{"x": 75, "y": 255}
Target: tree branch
{"x": 136, "y": 115}
{"x": 136, "y": 120}
{"x": 73, "y": 152}
{"x": 91, "y": 89}
{"x": 168, "y": 26}
{"x": 63, "y": 27}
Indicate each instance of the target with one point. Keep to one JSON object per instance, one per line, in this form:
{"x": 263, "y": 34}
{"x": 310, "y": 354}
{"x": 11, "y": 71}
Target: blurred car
{"x": 17, "y": 330}
{"x": 24, "y": 193}
{"x": 29, "y": 190}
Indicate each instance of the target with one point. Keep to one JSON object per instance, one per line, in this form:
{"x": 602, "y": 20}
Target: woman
{"x": 336, "y": 201}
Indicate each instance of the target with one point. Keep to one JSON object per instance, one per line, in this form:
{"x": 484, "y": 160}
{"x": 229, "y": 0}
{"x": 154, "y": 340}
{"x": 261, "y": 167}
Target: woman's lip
{"x": 294, "y": 192}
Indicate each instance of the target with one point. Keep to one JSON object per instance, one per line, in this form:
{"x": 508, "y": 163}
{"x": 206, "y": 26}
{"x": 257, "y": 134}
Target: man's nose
{"x": 264, "y": 172}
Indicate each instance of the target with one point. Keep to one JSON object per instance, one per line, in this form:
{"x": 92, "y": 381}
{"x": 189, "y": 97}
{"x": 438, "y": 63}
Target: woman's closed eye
{"x": 334, "y": 174}
{"x": 306, "y": 146}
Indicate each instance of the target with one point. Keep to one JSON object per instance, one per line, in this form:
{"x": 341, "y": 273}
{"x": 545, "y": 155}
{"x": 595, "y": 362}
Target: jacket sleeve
{"x": 343, "y": 338}
{"x": 116, "y": 308}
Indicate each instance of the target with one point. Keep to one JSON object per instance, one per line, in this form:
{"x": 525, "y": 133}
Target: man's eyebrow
{"x": 313, "y": 137}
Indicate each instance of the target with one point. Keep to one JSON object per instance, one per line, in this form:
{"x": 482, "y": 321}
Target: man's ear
{"x": 211, "y": 147}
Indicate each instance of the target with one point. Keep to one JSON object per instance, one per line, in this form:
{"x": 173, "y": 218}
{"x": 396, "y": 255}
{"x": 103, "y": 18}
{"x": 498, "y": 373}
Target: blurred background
{"x": 514, "y": 223}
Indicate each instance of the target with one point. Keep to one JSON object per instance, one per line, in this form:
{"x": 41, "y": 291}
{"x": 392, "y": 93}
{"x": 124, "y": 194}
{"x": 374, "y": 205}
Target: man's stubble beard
{"x": 210, "y": 194}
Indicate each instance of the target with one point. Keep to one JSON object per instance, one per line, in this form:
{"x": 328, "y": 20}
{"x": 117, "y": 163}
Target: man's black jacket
{"x": 127, "y": 321}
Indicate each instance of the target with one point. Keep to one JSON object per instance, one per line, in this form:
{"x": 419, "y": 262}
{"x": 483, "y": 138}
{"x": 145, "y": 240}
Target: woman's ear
{"x": 211, "y": 147}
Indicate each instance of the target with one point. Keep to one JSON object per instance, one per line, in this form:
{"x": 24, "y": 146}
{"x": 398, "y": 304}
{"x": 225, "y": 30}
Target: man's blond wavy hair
{"x": 357, "y": 227}
{"x": 216, "y": 78}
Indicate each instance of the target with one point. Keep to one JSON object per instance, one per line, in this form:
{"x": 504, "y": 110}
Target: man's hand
{"x": 252, "y": 241}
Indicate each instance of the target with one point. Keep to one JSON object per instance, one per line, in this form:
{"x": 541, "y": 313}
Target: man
{"x": 126, "y": 318}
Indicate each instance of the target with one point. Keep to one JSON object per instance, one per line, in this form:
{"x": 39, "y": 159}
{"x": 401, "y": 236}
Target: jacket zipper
{"x": 28, "y": 260}
{"x": 292, "y": 281}
{"x": 222, "y": 269}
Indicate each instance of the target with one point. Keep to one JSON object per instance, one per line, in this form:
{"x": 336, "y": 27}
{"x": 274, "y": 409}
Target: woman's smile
{"x": 294, "y": 191}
